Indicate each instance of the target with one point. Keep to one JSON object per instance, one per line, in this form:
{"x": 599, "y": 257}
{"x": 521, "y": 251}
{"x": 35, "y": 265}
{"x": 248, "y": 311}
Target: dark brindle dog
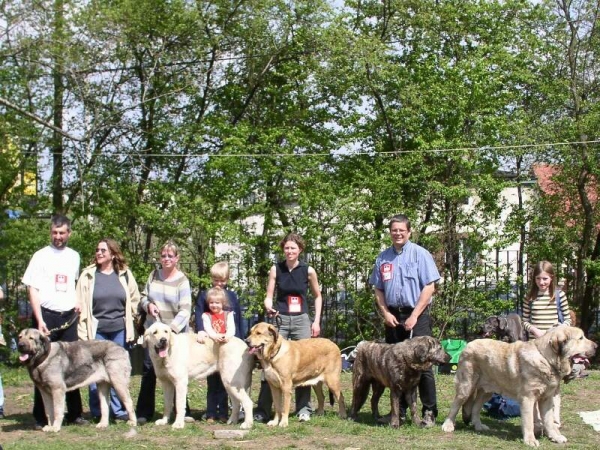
{"x": 396, "y": 366}
{"x": 506, "y": 328}
{"x": 58, "y": 367}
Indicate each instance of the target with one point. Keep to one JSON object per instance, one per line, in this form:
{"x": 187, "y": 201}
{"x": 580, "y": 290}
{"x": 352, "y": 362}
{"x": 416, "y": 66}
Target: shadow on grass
{"x": 22, "y": 422}
{"x": 504, "y": 430}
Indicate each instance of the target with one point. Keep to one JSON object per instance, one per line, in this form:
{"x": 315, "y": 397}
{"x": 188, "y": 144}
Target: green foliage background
{"x": 224, "y": 124}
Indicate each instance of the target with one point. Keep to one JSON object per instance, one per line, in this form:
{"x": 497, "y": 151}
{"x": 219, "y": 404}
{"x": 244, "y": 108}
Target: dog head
{"x": 32, "y": 346}
{"x": 264, "y": 341}
{"x": 159, "y": 339}
{"x": 493, "y": 326}
{"x": 428, "y": 351}
{"x": 562, "y": 346}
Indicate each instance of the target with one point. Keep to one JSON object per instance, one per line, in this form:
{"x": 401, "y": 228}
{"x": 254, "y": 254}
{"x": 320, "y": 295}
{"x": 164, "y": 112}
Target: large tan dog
{"x": 179, "y": 357}
{"x": 288, "y": 364}
{"x": 530, "y": 372}
{"x": 58, "y": 367}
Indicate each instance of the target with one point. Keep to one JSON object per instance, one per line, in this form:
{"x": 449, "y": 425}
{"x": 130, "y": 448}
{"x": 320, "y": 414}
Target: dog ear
{"x": 558, "y": 341}
{"x": 501, "y": 324}
{"x": 421, "y": 350}
{"x": 274, "y": 332}
{"x": 45, "y": 342}
{"x": 171, "y": 339}
{"x": 145, "y": 340}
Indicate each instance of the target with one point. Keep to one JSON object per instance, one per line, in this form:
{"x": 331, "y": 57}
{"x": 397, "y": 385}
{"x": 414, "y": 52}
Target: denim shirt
{"x": 403, "y": 275}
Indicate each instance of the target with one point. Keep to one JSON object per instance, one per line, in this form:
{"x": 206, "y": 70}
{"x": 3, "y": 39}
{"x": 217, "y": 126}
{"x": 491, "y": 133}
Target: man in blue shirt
{"x": 404, "y": 279}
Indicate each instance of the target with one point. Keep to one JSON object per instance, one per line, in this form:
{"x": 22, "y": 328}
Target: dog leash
{"x": 67, "y": 324}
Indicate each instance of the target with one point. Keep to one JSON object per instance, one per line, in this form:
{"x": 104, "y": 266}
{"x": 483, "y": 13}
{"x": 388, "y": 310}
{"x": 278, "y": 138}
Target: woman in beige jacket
{"x": 108, "y": 296}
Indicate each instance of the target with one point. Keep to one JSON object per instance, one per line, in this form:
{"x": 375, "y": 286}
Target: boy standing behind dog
{"x": 216, "y": 395}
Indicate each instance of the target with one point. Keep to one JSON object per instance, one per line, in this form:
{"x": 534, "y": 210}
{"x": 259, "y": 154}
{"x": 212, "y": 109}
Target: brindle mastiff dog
{"x": 530, "y": 372}
{"x": 288, "y": 364}
{"x": 396, "y": 366}
{"x": 58, "y": 367}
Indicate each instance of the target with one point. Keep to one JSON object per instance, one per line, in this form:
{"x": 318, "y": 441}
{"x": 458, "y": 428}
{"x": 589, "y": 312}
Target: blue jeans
{"x": 116, "y": 407}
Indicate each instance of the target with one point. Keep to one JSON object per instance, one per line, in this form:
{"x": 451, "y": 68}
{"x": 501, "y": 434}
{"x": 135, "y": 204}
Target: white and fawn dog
{"x": 179, "y": 357}
{"x": 530, "y": 372}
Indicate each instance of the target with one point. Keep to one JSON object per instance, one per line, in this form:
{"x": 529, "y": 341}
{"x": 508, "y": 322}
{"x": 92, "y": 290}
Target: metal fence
{"x": 348, "y": 308}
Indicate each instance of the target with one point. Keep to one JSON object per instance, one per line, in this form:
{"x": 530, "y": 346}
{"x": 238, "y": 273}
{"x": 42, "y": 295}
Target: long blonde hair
{"x": 542, "y": 266}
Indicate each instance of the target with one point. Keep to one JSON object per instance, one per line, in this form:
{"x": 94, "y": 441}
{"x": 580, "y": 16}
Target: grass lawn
{"x": 328, "y": 432}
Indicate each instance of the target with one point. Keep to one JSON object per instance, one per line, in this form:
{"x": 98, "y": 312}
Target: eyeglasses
{"x": 165, "y": 256}
{"x": 101, "y": 250}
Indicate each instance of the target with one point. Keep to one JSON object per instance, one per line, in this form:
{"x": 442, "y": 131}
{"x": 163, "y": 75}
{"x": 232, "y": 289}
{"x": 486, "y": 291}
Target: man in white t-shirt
{"x": 50, "y": 277}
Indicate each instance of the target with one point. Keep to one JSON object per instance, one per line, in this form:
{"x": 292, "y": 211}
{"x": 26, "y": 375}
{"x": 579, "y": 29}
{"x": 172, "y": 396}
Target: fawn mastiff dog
{"x": 58, "y": 367}
{"x": 179, "y": 357}
{"x": 529, "y": 372}
{"x": 288, "y": 364}
{"x": 396, "y": 366}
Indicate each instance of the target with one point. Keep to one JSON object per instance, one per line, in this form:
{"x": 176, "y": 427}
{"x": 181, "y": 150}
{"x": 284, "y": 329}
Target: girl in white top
{"x": 218, "y": 323}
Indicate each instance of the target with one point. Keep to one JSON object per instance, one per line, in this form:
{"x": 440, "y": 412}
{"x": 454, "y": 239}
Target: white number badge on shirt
{"x": 294, "y": 304}
{"x": 386, "y": 271}
{"x": 60, "y": 283}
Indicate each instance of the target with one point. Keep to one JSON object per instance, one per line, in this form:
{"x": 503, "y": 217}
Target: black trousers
{"x": 54, "y": 319}
{"x": 393, "y": 335}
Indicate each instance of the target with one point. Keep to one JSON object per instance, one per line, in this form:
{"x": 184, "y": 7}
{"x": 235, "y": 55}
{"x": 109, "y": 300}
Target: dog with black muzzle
{"x": 58, "y": 367}
{"x": 288, "y": 364}
{"x": 396, "y": 366}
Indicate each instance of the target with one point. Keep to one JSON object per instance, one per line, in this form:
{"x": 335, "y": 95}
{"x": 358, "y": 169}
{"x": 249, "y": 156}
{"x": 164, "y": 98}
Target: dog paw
{"x": 246, "y": 425}
{"x": 50, "y": 429}
{"x": 161, "y": 422}
{"x": 132, "y": 423}
{"x": 272, "y": 423}
{"x": 532, "y": 442}
{"x": 283, "y": 424}
{"x": 481, "y": 427}
{"x": 178, "y": 425}
{"x": 448, "y": 426}
{"x": 102, "y": 425}
{"x": 559, "y": 439}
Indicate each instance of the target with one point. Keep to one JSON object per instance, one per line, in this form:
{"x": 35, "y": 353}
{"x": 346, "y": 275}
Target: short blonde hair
{"x": 217, "y": 292}
{"x": 220, "y": 270}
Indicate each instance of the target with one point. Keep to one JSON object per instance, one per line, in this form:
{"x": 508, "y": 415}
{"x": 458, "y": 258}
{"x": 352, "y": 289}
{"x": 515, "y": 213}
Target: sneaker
{"x": 304, "y": 417}
{"x": 210, "y": 420}
{"x": 122, "y": 417}
{"x": 189, "y": 419}
{"x": 142, "y": 421}
{"x": 428, "y": 419}
{"x": 80, "y": 421}
{"x": 1, "y": 414}
{"x": 39, "y": 426}
{"x": 260, "y": 417}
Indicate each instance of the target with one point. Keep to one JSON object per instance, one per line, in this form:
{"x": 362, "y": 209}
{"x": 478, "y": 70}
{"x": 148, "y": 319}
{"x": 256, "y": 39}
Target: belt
{"x": 59, "y": 313}
{"x": 406, "y": 310}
